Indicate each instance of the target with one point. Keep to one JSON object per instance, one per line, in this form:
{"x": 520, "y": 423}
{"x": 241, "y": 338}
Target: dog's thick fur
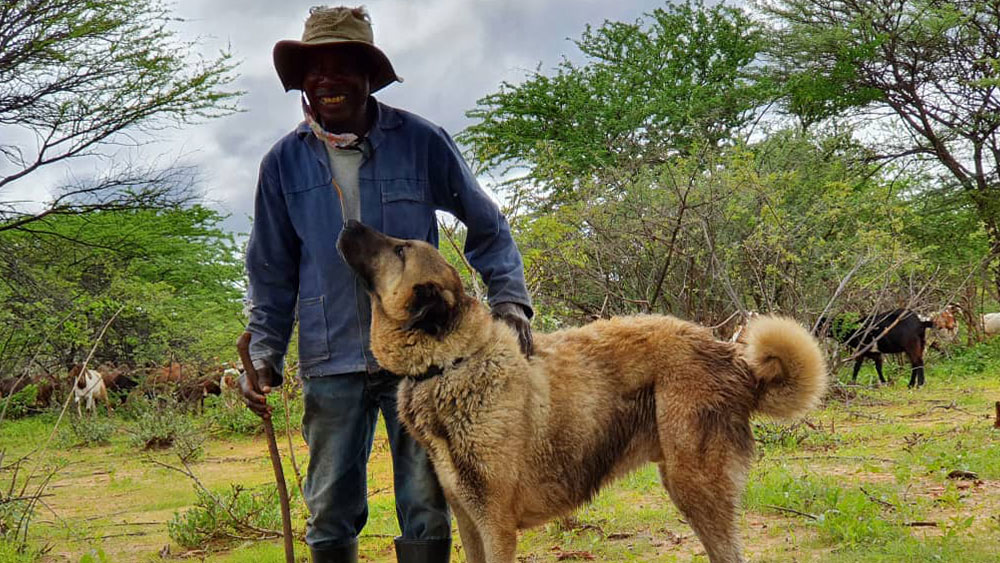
{"x": 516, "y": 442}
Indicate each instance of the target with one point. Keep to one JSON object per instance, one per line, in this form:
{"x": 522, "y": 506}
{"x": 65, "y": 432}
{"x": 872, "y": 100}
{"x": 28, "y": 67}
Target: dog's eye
{"x": 401, "y": 251}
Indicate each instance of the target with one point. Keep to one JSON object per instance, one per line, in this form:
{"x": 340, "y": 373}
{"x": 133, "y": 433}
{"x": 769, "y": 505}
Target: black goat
{"x": 895, "y": 332}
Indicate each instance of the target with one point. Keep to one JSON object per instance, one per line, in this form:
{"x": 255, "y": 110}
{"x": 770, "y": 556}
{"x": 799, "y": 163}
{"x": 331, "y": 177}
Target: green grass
{"x": 861, "y": 470}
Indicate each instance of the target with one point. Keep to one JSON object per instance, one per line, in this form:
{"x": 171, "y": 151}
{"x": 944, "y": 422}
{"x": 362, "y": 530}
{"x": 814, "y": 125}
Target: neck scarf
{"x": 332, "y": 140}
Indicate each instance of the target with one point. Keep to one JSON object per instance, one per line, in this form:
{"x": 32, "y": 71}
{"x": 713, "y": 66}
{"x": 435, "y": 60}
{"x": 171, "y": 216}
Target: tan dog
{"x": 517, "y": 442}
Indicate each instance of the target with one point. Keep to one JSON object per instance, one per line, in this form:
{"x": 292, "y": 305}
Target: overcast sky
{"x": 449, "y": 52}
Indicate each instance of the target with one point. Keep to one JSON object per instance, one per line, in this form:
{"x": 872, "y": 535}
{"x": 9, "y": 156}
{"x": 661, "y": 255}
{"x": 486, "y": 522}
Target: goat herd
{"x": 900, "y": 331}
{"x": 92, "y": 386}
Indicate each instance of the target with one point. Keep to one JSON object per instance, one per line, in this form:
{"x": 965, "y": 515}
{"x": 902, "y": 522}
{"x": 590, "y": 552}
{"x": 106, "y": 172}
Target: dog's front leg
{"x": 472, "y": 542}
{"x": 500, "y": 543}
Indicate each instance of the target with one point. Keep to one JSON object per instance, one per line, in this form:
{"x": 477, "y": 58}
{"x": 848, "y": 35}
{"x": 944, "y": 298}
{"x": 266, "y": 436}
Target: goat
{"x": 194, "y": 390}
{"x": 737, "y": 337}
{"x": 228, "y": 380}
{"x": 991, "y": 323}
{"x": 115, "y": 379}
{"x": 944, "y": 328}
{"x": 87, "y": 386}
{"x": 894, "y": 332}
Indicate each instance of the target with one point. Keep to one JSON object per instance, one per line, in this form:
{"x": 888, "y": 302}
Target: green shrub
{"x": 11, "y": 552}
{"x": 244, "y": 513}
{"x": 230, "y": 416}
{"x": 162, "y": 425}
{"x": 973, "y": 360}
{"x": 95, "y": 556}
{"x": 136, "y": 405}
{"x": 22, "y": 402}
{"x": 88, "y": 431}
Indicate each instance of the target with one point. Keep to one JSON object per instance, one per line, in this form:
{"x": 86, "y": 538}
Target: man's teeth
{"x": 331, "y": 99}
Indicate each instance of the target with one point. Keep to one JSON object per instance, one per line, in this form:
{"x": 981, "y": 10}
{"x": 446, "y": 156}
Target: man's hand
{"x": 514, "y": 315}
{"x": 257, "y": 401}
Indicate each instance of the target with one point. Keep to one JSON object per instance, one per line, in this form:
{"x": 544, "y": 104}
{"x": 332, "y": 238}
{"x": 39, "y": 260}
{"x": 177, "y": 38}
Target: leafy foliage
{"x": 161, "y": 425}
{"x": 931, "y": 65}
{"x": 22, "y": 402}
{"x": 80, "y": 75}
{"x": 175, "y": 272}
{"x": 89, "y": 431}
{"x": 228, "y": 414}
{"x": 667, "y": 84}
{"x": 227, "y": 517}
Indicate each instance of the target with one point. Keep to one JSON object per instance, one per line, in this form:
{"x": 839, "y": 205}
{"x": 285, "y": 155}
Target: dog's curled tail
{"x": 788, "y": 364}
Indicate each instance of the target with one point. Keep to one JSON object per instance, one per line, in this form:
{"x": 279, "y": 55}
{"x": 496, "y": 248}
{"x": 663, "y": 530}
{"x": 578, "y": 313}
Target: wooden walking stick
{"x": 243, "y": 346}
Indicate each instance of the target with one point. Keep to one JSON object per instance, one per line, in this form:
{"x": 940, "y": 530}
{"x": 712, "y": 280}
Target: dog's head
{"x": 411, "y": 284}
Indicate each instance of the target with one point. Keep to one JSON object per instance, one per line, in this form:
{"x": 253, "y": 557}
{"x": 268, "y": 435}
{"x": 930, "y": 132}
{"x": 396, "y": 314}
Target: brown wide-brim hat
{"x": 332, "y": 27}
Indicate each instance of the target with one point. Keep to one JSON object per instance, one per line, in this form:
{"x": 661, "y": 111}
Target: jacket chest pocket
{"x": 407, "y": 210}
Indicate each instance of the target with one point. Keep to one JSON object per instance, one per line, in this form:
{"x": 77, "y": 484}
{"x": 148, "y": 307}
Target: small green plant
{"x": 22, "y": 402}
{"x": 230, "y": 416}
{"x": 844, "y": 516}
{"x": 20, "y": 498}
{"x": 233, "y": 515}
{"x": 772, "y": 434}
{"x": 12, "y": 552}
{"x": 165, "y": 426}
{"x": 88, "y": 431}
{"x": 95, "y": 556}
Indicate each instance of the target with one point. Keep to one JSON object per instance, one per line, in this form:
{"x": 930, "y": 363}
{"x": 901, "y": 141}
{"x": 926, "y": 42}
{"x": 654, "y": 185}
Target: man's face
{"x": 336, "y": 85}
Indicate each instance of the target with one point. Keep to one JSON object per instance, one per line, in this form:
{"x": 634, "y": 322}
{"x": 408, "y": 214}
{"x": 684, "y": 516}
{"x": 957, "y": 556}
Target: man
{"x": 354, "y": 157}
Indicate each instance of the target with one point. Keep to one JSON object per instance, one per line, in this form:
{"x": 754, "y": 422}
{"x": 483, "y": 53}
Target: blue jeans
{"x": 339, "y": 427}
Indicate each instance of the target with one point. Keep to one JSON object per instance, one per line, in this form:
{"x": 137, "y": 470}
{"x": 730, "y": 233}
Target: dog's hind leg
{"x": 472, "y": 542}
{"x": 704, "y": 472}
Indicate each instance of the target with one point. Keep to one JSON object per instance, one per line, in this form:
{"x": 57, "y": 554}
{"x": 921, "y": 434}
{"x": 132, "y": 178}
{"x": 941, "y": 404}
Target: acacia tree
{"x": 933, "y": 66}
{"x": 671, "y": 83}
{"x": 78, "y": 76}
{"x": 177, "y": 274}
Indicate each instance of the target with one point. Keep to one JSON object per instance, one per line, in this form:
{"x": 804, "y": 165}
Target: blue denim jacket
{"x": 412, "y": 169}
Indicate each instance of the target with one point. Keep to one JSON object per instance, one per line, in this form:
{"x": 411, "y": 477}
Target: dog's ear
{"x": 429, "y": 310}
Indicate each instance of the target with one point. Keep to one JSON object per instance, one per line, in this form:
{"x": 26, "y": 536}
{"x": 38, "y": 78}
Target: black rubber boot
{"x": 343, "y": 553}
{"x": 423, "y": 551}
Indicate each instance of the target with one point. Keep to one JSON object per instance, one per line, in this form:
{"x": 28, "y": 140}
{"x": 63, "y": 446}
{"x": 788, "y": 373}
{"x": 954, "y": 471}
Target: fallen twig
{"x": 844, "y": 457}
{"x": 792, "y": 511}
{"x": 877, "y": 500}
{"x": 122, "y": 535}
{"x": 879, "y": 418}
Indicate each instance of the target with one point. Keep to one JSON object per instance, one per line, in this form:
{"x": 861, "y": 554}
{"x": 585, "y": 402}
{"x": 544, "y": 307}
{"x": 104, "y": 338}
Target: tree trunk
{"x": 985, "y": 198}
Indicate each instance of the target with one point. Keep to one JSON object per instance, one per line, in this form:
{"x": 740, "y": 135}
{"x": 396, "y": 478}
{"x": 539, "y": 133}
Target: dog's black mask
{"x": 355, "y": 243}
{"x": 429, "y": 311}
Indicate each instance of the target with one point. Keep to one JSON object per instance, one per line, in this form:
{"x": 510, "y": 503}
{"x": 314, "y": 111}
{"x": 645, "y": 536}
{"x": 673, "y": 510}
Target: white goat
{"x": 88, "y": 386}
{"x": 991, "y": 323}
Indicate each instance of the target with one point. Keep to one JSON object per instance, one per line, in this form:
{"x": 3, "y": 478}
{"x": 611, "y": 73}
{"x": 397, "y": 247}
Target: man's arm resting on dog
{"x": 489, "y": 245}
{"x": 516, "y": 315}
